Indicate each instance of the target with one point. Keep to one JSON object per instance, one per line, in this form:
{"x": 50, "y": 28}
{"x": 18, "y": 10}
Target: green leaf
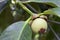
{"x": 56, "y": 28}
{"x": 51, "y": 2}
{"x": 54, "y": 11}
{"x": 50, "y": 36}
{"x": 6, "y": 18}
{"x": 17, "y": 31}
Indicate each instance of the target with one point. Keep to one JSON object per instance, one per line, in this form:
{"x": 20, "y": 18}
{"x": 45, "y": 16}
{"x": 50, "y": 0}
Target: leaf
{"x": 49, "y": 2}
{"x": 6, "y": 18}
{"x": 3, "y": 4}
{"x": 50, "y": 36}
{"x": 54, "y": 11}
{"x": 56, "y": 28}
{"x": 17, "y": 31}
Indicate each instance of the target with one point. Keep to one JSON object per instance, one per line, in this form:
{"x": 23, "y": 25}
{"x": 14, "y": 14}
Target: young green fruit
{"x": 39, "y": 25}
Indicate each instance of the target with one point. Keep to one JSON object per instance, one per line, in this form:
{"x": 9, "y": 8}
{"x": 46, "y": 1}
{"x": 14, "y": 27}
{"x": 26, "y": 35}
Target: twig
{"x": 25, "y": 8}
{"x": 34, "y": 10}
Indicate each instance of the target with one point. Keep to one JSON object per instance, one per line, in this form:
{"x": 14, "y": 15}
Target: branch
{"x": 25, "y": 8}
{"x": 34, "y": 10}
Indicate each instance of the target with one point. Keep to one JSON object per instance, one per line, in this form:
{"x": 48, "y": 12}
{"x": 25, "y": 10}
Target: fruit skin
{"x": 38, "y": 24}
{"x": 44, "y": 17}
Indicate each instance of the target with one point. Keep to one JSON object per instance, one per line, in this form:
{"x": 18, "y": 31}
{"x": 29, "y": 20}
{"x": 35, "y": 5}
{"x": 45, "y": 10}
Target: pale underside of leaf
{"x": 13, "y": 32}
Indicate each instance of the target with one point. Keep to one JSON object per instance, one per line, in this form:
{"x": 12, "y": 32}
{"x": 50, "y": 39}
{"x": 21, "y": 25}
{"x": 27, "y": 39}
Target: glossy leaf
{"x": 54, "y": 11}
{"x": 17, "y": 31}
{"x": 57, "y": 2}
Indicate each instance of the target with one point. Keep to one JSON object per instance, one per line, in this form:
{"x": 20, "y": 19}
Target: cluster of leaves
{"x": 10, "y": 13}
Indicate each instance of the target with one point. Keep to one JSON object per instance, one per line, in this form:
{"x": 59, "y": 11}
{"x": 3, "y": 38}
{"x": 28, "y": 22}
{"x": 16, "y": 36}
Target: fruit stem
{"x": 25, "y": 8}
{"x": 27, "y": 21}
